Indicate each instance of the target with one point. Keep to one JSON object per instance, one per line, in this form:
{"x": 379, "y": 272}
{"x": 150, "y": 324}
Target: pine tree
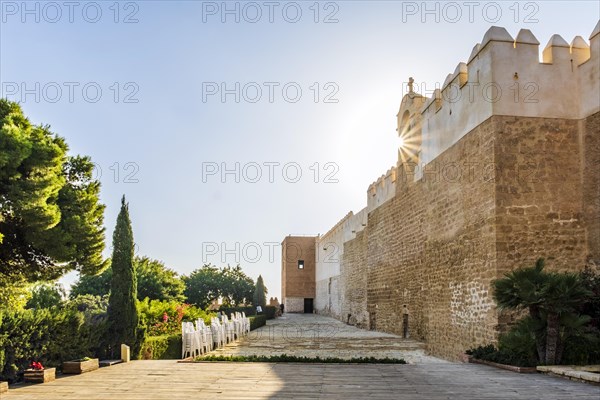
{"x": 123, "y": 318}
{"x": 260, "y": 293}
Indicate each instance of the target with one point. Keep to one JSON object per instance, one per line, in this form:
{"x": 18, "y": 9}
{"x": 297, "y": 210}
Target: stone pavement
{"x": 169, "y": 380}
{"x": 428, "y": 378}
{"x": 312, "y": 335}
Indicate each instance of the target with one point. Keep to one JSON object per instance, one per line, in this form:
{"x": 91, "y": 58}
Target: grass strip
{"x": 284, "y": 358}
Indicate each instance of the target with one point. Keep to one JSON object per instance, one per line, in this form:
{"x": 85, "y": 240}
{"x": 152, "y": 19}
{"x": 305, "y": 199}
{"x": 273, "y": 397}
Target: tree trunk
{"x": 540, "y": 346}
{"x": 552, "y": 338}
{"x": 560, "y": 350}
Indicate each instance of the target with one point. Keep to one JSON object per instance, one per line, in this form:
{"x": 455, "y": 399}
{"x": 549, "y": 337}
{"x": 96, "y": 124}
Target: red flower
{"x": 165, "y": 317}
{"x": 37, "y": 365}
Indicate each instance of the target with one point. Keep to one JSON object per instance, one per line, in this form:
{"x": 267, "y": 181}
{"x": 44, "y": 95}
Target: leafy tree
{"x": 521, "y": 290}
{"x": 210, "y": 283}
{"x": 203, "y": 285}
{"x": 157, "y": 282}
{"x": 89, "y": 304}
{"x": 123, "y": 317}
{"x": 95, "y": 285}
{"x": 260, "y": 293}
{"x": 46, "y": 295}
{"x": 562, "y": 294}
{"x": 13, "y": 294}
{"x": 236, "y": 287}
{"x": 154, "y": 280}
{"x": 552, "y": 299}
{"x": 51, "y": 220}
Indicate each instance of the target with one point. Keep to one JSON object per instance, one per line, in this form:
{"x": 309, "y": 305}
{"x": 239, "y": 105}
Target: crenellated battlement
{"x": 339, "y": 226}
{"x": 504, "y": 76}
{"x": 382, "y": 190}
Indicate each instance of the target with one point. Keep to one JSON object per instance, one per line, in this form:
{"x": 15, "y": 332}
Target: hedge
{"x": 249, "y": 310}
{"x": 256, "y": 321}
{"x": 500, "y": 356}
{"x": 268, "y": 311}
{"x": 168, "y": 347}
{"x": 49, "y": 336}
{"x": 165, "y": 347}
{"x": 284, "y": 358}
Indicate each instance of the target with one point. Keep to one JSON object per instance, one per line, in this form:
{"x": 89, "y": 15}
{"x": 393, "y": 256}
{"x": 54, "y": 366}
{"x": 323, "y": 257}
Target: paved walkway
{"x": 428, "y": 378}
{"x": 169, "y": 380}
{"x": 312, "y": 335}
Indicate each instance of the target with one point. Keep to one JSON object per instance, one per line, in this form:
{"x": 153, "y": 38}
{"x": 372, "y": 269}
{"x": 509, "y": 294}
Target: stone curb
{"x": 520, "y": 370}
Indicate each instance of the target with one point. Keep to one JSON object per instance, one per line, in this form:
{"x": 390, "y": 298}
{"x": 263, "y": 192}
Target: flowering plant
{"x": 36, "y": 366}
{"x": 165, "y": 317}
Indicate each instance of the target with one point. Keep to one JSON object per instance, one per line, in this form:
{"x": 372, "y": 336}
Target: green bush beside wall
{"x": 165, "y": 347}
{"x": 256, "y": 321}
{"x": 268, "y": 311}
{"x": 50, "y": 336}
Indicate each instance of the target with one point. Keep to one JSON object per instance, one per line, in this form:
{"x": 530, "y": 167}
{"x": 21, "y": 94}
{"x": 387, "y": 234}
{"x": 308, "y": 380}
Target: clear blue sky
{"x": 166, "y": 57}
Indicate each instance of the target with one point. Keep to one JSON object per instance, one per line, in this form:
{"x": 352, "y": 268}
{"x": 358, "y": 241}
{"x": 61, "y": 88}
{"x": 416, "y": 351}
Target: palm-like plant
{"x": 562, "y": 295}
{"x": 522, "y": 289}
{"x": 549, "y": 297}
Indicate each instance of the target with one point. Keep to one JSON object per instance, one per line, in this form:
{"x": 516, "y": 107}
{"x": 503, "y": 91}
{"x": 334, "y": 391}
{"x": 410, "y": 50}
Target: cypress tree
{"x": 260, "y": 293}
{"x": 123, "y": 318}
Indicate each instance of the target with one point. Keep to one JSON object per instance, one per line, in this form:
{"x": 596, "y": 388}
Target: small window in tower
{"x": 300, "y": 264}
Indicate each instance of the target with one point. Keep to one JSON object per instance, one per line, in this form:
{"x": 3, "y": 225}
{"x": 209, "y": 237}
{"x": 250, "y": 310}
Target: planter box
{"x": 40, "y": 376}
{"x": 520, "y": 370}
{"x": 3, "y": 387}
{"x": 79, "y": 367}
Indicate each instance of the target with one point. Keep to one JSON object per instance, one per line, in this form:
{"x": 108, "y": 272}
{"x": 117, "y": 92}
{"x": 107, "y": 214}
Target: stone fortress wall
{"x": 500, "y": 166}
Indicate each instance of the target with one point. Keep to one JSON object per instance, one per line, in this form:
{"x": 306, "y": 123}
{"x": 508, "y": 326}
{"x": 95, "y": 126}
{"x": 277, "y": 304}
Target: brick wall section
{"x": 430, "y": 248}
{"x": 295, "y": 282}
{"x": 354, "y": 281}
{"x": 459, "y": 234}
{"x": 591, "y": 184}
{"x": 394, "y": 248}
{"x": 507, "y": 193}
{"x": 539, "y": 193}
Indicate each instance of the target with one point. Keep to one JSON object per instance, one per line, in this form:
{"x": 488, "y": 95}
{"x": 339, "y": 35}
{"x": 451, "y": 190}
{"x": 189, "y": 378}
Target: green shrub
{"x": 270, "y": 311}
{"x": 165, "y": 347}
{"x": 591, "y": 280}
{"x": 500, "y": 356}
{"x": 583, "y": 349}
{"x": 518, "y": 347}
{"x": 256, "y": 321}
{"x": 50, "y": 336}
{"x": 482, "y": 352}
{"x": 165, "y": 317}
{"x": 249, "y": 310}
{"x": 519, "y": 342}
